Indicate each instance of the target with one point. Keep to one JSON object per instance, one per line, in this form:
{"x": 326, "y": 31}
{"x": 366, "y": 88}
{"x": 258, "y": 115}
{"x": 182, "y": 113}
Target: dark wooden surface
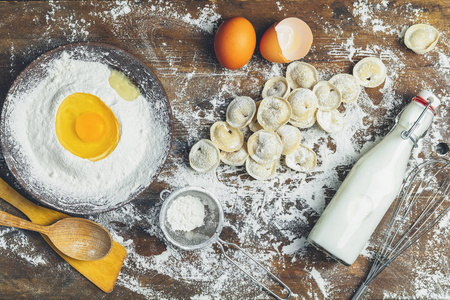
{"x": 174, "y": 49}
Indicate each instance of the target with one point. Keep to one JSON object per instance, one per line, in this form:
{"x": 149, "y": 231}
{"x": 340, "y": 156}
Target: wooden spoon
{"x": 78, "y": 238}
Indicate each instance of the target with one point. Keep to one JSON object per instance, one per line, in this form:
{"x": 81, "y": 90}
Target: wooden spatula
{"x": 103, "y": 273}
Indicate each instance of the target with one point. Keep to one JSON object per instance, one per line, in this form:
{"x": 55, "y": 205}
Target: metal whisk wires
{"x": 421, "y": 203}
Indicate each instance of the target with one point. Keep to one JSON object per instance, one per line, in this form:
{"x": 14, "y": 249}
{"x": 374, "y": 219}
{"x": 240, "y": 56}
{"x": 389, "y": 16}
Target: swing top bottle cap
{"x": 426, "y": 97}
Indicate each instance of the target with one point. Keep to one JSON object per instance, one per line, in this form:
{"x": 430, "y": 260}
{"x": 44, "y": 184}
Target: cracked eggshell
{"x": 285, "y": 41}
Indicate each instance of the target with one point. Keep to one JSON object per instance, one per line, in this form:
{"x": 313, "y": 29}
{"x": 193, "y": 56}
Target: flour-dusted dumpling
{"x": 328, "y": 96}
{"x": 277, "y": 86}
{"x": 290, "y": 137}
{"x": 204, "y": 156}
{"x": 304, "y": 123}
{"x": 225, "y": 137}
{"x": 273, "y": 112}
{"x": 421, "y": 38}
{"x": 236, "y": 158}
{"x": 370, "y": 72}
{"x": 330, "y": 121}
{"x": 301, "y": 75}
{"x": 304, "y": 105}
{"x": 303, "y": 159}
{"x": 260, "y": 171}
{"x": 240, "y": 111}
{"x": 347, "y": 85}
{"x": 254, "y": 126}
{"x": 264, "y": 146}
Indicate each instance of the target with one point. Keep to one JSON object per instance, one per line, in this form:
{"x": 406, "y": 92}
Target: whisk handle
{"x": 221, "y": 244}
{"x": 360, "y": 291}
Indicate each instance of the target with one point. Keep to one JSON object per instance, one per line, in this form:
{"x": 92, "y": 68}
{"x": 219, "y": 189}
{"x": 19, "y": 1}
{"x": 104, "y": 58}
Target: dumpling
{"x": 301, "y": 75}
{"x": 204, "y": 156}
{"x": 236, "y": 158}
{"x": 347, "y": 85}
{"x": 260, "y": 171}
{"x": 304, "y": 105}
{"x": 240, "y": 111}
{"x": 328, "y": 96}
{"x": 273, "y": 112}
{"x": 264, "y": 146}
{"x": 254, "y": 125}
{"x": 225, "y": 137}
{"x": 370, "y": 72}
{"x": 290, "y": 137}
{"x": 303, "y": 159}
{"x": 277, "y": 86}
{"x": 330, "y": 121}
{"x": 304, "y": 123}
{"x": 421, "y": 38}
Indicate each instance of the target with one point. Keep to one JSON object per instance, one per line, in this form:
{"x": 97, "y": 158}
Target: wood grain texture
{"x": 102, "y": 273}
{"x": 175, "y": 50}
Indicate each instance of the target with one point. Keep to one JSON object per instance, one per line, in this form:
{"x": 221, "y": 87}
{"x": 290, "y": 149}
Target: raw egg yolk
{"x": 90, "y": 127}
{"x": 87, "y": 127}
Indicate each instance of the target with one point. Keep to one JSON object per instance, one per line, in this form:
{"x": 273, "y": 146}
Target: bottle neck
{"x": 409, "y": 116}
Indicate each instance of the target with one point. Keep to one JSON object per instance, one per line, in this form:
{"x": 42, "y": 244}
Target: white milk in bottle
{"x": 358, "y": 206}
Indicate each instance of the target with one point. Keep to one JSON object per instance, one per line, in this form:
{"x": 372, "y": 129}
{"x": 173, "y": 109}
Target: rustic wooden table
{"x": 175, "y": 39}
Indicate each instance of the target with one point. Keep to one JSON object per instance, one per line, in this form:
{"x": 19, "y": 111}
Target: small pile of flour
{"x": 186, "y": 213}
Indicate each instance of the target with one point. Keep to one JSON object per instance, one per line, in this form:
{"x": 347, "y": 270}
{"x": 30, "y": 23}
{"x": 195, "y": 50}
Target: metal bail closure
{"x": 408, "y": 134}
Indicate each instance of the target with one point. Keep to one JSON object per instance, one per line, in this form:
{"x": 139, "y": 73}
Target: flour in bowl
{"x": 186, "y": 213}
{"x": 53, "y": 172}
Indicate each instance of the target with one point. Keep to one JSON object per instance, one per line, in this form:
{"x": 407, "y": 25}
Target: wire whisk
{"x": 421, "y": 203}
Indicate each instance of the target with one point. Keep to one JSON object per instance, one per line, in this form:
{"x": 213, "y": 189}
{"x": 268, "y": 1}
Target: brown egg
{"x": 286, "y": 41}
{"x": 235, "y": 42}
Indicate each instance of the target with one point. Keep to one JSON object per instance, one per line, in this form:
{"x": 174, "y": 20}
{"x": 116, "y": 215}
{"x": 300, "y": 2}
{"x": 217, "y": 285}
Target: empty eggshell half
{"x": 286, "y": 41}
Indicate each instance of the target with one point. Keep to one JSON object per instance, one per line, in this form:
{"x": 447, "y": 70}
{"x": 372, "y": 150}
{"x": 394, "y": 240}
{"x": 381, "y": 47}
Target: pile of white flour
{"x": 186, "y": 213}
{"x": 50, "y": 168}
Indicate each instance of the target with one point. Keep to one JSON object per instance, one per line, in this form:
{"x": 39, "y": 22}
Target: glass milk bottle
{"x": 358, "y": 206}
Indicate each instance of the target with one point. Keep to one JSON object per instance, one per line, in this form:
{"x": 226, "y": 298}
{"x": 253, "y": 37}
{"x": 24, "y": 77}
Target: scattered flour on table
{"x": 275, "y": 213}
{"x": 322, "y": 283}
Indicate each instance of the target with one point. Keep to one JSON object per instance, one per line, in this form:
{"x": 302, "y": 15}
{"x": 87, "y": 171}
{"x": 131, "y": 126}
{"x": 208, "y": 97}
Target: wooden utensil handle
{"x": 37, "y": 214}
{"x": 13, "y": 221}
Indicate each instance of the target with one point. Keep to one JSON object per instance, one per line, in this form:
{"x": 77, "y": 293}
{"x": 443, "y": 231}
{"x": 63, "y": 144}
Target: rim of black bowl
{"x": 8, "y": 157}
